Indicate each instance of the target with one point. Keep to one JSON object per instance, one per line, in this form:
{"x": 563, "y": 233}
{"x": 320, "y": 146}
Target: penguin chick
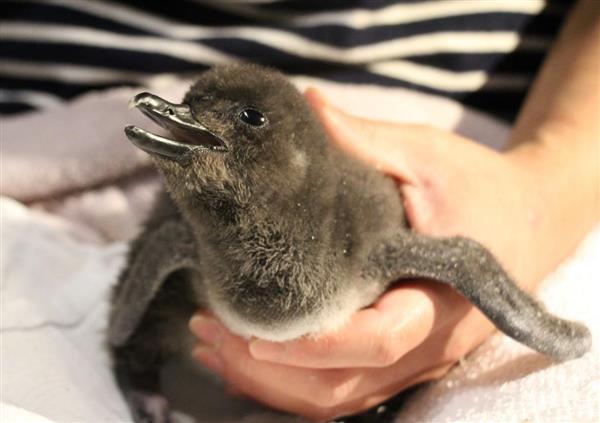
{"x": 280, "y": 235}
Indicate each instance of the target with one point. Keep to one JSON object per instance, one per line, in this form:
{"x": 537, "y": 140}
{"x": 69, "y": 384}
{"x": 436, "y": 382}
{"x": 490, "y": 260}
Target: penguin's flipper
{"x": 154, "y": 256}
{"x": 470, "y": 269}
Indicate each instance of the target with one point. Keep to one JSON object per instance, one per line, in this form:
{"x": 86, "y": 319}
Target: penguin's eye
{"x": 252, "y": 117}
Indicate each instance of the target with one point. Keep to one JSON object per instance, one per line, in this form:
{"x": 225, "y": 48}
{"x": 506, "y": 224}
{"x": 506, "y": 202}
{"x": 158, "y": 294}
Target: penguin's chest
{"x": 266, "y": 285}
{"x": 271, "y": 288}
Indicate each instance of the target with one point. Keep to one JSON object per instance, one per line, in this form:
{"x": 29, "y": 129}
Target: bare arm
{"x": 557, "y": 139}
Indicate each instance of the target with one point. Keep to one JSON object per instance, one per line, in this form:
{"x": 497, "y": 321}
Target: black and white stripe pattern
{"x": 482, "y": 52}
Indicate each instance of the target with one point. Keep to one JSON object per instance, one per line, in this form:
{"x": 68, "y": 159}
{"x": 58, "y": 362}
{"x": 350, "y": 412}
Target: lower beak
{"x": 188, "y": 134}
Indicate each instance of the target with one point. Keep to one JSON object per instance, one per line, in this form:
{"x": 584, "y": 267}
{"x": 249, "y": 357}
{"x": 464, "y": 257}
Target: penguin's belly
{"x": 329, "y": 316}
{"x": 276, "y": 284}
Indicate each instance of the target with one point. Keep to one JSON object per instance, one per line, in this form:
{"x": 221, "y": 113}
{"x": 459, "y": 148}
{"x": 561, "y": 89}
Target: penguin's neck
{"x": 220, "y": 217}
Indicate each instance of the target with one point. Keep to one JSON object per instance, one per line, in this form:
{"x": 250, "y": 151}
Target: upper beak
{"x": 189, "y": 134}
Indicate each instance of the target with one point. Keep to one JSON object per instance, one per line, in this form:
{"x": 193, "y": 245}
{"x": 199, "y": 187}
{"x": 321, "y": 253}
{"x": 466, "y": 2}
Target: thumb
{"x": 412, "y": 154}
{"x": 401, "y": 150}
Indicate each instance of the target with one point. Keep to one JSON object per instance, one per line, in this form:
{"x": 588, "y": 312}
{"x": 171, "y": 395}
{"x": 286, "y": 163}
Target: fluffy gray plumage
{"x": 280, "y": 234}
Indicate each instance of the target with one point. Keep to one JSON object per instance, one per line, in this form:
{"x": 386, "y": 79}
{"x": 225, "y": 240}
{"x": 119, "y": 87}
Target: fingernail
{"x": 317, "y": 96}
{"x": 207, "y": 329}
{"x": 324, "y": 101}
{"x": 334, "y": 115}
{"x": 208, "y": 357}
{"x": 264, "y": 350}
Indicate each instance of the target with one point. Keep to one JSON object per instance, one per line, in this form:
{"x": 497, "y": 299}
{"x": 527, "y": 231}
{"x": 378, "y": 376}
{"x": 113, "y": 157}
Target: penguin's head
{"x": 243, "y": 134}
{"x": 251, "y": 169}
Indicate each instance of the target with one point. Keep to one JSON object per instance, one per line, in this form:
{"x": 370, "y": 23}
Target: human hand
{"x": 416, "y": 331}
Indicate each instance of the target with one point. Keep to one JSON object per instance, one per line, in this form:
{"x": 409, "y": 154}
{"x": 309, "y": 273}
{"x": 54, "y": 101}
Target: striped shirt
{"x": 483, "y": 53}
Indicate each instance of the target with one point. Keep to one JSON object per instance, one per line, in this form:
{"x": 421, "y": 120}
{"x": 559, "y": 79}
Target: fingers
{"x": 399, "y": 150}
{"x": 437, "y": 169}
{"x": 307, "y": 393}
{"x": 314, "y": 393}
{"x": 375, "y": 337}
{"x": 362, "y": 138}
{"x": 324, "y": 393}
{"x": 410, "y": 153}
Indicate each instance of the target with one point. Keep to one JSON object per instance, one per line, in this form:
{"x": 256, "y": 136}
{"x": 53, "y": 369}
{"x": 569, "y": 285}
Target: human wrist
{"x": 528, "y": 216}
{"x": 559, "y": 191}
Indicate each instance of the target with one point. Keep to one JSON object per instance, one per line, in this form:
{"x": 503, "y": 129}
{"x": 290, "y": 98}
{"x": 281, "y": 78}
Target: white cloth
{"x": 59, "y": 258}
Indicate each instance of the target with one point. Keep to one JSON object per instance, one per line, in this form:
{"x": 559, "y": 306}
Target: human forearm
{"x": 556, "y": 140}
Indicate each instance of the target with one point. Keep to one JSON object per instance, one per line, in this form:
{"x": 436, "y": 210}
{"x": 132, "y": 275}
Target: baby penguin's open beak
{"x": 188, "y": 134}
